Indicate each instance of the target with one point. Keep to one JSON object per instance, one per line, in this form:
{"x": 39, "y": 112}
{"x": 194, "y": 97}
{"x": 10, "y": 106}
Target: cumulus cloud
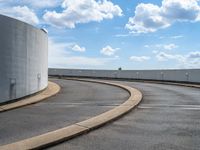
{"x": 22, "y": 13}
{"x": 139, "y": 58}
{"x": 194, "y": 55}
{"x": 170, "y": 46}
{"x": 82, "y": 11}
{"x": 150, "y": 17}
{"x": 78, "y": 48}
{"x": 162, "y": 56}
{"x": 180, "y": 10}
{"x": 108, "y": 50}
{"x": 61, "y": 57}
{"x": 190, "y": 60}
{"x": 63, "y": 49}
{"x": 147, "y": 18}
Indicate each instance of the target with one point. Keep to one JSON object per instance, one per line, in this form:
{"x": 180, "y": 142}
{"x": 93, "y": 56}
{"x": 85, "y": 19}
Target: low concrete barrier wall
{"x": 183, "y": 75}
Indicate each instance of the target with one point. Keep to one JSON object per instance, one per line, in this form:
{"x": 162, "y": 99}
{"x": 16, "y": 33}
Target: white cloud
{"x": 78, "y": 48}
{"x": 77, "y": 61}
{"x": 169, "y": 46}
{"x": 108, "y": 50}
{"x": 57, "y": 49}
{"x": 147, "y": 19}
{"x": 82, "y": 11}
{"x": 190, "y": 60}
{"x": 139, "y": 58}
{"x": 155, "y": 52}
{"x": 171, "y": 37}
{"x": 63, "y": 49}
{"x": 176, "y": 36}
{"x": 194, "y": 55}
{"x": 42, "y": 3}
{"x": 61, "y": 57}
{"x": 146, "y": 46}
{"x": 22, "y": 13}
{"x": 150, "y": 17}
{"x": 121, "y": 35}
{"x": 162, "y": 56}
{"x": 32, "y": 3}
{"x": 180, "y": 10}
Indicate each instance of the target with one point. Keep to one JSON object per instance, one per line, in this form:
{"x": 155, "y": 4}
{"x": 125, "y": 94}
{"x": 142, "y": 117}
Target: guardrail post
{"x": 137, "y": 75}
{"x": 162, "y": 75}
{"x": 187, "y": 76}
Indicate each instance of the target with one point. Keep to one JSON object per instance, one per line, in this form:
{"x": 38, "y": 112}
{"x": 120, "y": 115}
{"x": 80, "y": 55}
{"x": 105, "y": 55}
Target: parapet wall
{"x": 23, "y": 59}
{"x": 184, "y": 75}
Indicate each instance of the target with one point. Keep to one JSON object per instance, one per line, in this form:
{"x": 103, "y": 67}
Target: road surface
{"x": 168, "y": 118}
{"x": 77, "y": 101}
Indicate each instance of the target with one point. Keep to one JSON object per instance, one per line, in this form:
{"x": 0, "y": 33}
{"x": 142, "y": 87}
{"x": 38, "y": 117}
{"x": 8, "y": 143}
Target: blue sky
{"x": 108, "y": 34}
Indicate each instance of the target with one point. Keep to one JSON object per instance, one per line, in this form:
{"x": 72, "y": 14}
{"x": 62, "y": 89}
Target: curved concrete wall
{"x": 23, "y": 59}
{"x": 182, "y": 75}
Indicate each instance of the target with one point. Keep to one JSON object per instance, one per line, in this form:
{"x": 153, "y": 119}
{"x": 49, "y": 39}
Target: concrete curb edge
{"x": 54, "y": 137}
{"x": 51, "y": 90}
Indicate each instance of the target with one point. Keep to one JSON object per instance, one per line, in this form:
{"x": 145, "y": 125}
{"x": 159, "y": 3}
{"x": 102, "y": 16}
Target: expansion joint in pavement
{"x": 82, "y": 126}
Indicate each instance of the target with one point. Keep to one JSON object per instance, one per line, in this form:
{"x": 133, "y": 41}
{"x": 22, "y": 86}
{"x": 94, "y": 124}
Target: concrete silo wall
{"x": 23, "y": 59}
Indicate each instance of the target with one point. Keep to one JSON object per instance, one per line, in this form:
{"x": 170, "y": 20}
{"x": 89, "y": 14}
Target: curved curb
{"x": 71, "y": 131}
{"x": 51, "y": 90}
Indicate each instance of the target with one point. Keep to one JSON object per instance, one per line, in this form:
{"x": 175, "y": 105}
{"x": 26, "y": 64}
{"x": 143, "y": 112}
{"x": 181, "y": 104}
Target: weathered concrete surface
{"x": 167, "y": 118}
{"x": 50, "y": 138}
{"x": 51, "y": 90}
{"x": 175, "y": 75}
{"x": 23, "y": 59}
{"x": 75, "y": 102}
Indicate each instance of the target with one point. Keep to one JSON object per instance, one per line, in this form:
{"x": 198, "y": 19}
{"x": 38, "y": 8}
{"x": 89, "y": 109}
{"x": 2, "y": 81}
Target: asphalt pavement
{"x": 77, "y": 101}
{"x": 168, "y": 118}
